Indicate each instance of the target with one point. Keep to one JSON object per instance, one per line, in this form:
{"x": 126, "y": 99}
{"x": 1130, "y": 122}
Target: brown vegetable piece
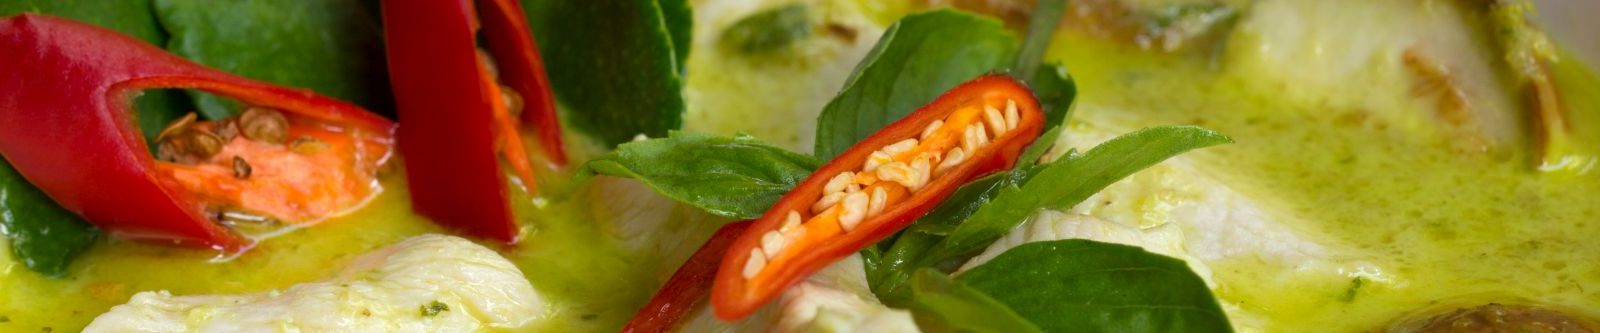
{"x": 1499, "y": 318}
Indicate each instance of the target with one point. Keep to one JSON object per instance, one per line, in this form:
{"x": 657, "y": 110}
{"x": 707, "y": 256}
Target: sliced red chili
{"x": 688, "y": 286}
{"x": 460, "y": 105}
{"x": 67, "y": 127}
{"x": 877, "y": 187}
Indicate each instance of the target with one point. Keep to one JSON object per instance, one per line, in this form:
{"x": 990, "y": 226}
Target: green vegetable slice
{"x": 1067, "y": 182}
{"x": 768, "y": 30}
{"x": 1085, "y": 286}
{"x": 615, "y": 65}
{"x": 738, "y": 177}
{"x": 679, "y": 19}
{"x": 917, "y": 59}
{"x": 43, "y": 235}
{"x": 334, "y": 47}
{"x": 942, "y": 305}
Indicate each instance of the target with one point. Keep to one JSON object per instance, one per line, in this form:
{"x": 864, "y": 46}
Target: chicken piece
{"x": 1165, "y": 240}
{"x": 835, "y": 299}
{"x": 428, "y": 283}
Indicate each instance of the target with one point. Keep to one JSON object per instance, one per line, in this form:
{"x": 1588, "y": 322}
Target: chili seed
{"x": 754, "y": 265}
{"x": 264, "y": 124}
{"x": 512, "y": 99}
{"x": 241, "y": 169}
{"x": 182, "y": 123}
{"x": 306, "y": 145}
{"x": 488, "y": 63}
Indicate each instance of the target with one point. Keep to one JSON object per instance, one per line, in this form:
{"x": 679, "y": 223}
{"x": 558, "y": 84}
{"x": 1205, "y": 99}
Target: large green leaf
{"x": 1085, "y": 286}
{"x": 334, "y": 47}
{"x": 614, "y": 65}
{"x": 738, "y": 177}
{"x": 1066, "y": 182}
{"x": 43, "y": 235}
{"x": 917, "y": 59}
{"x": 942, "y": 305}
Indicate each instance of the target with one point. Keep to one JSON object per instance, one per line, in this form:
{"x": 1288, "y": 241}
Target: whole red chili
{"x": 67, "y": 126}
{"x": 876, "y": 188}
{"x": 458, "y": 105}
{"x": 687, "y": 287}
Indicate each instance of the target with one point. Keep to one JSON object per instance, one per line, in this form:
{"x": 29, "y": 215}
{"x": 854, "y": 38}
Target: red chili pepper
{"x": 67, "y": 126}
{"x": 457, "y": 126}
{"x": 876, "y": 188}
{"x": 688, "y": 286}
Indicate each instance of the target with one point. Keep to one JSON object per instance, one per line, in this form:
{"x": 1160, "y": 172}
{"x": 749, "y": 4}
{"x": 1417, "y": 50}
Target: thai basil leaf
{"x": 679, "y": 19}
{"x": 615, "y": 66}
{"x": 1056, "y": 90}
{"x": 902, "y": 258}
{"x": 1066, "y": 182}
{"x": 941, "y": 304}
{"x": 334, "y": 47}
{"x": 917, "y": 59}
{"x": 154, "y": 108}
{"x": 738, "y": 177}
{"x": 1042, "y": 25}
{"x": 1085, "y": 286}
{"x": 43, "y": 235}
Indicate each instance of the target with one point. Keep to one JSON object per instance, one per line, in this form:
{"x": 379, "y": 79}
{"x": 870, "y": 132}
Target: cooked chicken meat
{"x": 428, "y": 283}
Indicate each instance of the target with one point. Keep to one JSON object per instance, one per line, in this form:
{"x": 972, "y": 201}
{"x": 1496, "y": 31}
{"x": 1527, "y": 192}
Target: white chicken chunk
{"x": 836, "y": 299}
{"x": 428, "y": 283}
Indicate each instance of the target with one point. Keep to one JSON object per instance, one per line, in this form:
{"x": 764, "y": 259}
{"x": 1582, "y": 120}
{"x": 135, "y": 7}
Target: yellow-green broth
{"x": 1446, "y": 227}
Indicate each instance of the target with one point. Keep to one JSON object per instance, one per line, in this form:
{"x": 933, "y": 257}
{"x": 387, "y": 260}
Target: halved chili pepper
{"x": 459, "y": 105}
{"x": 877, "y": 187}
{"x": 688, "y": 286}
{"x": 67, "y": 127}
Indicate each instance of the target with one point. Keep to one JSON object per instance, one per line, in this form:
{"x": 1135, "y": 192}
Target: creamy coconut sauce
{"x": 1428, "y": 225}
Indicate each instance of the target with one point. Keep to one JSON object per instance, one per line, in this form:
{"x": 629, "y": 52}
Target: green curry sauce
{"x": 1446, "y": 228}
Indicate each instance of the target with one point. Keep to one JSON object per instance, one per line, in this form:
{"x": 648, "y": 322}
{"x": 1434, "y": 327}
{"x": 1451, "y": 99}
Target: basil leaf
{"x": 942, "y": 305}
{"x": 614, "y": 65}
{"x": 1084, "y": 286}
{"x": 334, "y": 47}
{"x": 1042, "y": 24}
{"x": 1056, "y": 91}
{"x": 679, "y": 19}
{"x": 917, "y": 59}
{"x": 738, "y": 177}
{"x": 902, "y": 258}
{"x": 154, "y": 108}
{"x": 1068, "y": 181}
{"x": 45, "y": 236}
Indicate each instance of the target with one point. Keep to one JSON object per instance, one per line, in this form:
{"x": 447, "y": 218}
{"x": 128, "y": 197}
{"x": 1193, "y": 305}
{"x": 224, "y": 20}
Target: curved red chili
{"x": 688, "y": 286}
{"x": 67, "y": 127}
{"x": 877, "y": 187}
{"x": 454, "y": 103}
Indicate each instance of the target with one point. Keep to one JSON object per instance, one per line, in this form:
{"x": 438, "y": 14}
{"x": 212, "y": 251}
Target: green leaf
{"x": 679, "y": 19}
{"x": 334, "y": 47}
{"x": 1042, "y": 24}
{"x": 737, "y": 177}
{"x": 614, "y": 65}
{"x": 1066, "y": 182}
{"x": 901, "y": 259}
{"x": 942, "y": 305}
{"x": 43, "y": 235}
{"x": 155, "y": 108}
{"x": 772, "y": 29}
{"x": 1085, "y": 286}
{"x": 1056, "y": 91}
{"x": 917, "y": 59}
